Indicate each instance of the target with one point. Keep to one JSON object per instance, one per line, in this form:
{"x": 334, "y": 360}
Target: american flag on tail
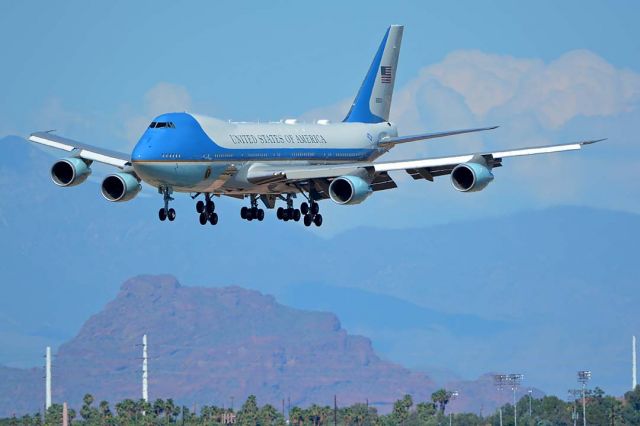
{"x": 385, "y": 74}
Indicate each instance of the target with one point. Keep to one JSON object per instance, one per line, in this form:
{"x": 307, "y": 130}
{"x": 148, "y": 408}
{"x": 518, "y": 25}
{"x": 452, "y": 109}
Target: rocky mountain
{"x": 207, "y": 345}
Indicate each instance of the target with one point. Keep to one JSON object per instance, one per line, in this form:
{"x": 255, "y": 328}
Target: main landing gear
{"x": 311, "y": 213}
{"x": 165, "y": 212}
{"x": 253, "y": 212}
{"x": 207, "y": 211}
{"x": 289, "y": 213}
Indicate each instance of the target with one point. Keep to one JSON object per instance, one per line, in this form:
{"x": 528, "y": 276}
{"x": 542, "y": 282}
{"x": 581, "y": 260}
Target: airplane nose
{"x": 141, "y": 149}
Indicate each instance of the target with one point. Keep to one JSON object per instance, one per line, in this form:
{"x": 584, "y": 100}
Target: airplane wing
{"x": 389, "y": 141}
{"x": 426, "y": 168}
{"x": 84, "y": 151}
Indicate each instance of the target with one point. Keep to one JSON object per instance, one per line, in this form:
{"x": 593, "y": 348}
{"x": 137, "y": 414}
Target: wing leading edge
{"x": 423, "y": 167}
{"x": 87, "y": 152}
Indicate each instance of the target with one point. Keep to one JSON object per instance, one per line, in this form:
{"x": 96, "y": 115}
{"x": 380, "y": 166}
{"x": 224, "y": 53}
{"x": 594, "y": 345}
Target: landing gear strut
{"x": 207, "y": 210}
{"x": 253, "y": 212}
{"x": 289, "y": 213}
{"x": 165, "y": 212}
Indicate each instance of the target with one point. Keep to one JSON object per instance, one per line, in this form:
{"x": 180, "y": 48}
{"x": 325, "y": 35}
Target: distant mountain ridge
{"x": 207, "y": 344}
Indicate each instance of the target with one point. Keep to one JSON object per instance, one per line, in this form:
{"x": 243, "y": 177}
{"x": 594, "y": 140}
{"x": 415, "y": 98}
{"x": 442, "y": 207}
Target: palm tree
{"x": 441, "y": 398}
{"x": 297, "y": 416}
{"x": 158, "y": 407}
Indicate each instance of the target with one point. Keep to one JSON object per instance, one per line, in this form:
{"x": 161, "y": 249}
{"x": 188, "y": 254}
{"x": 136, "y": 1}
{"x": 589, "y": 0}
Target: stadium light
{"x": 583, "y": 377}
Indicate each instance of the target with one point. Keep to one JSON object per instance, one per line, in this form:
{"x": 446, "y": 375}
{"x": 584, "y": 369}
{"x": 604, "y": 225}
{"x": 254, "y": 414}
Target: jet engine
{"x": 349, "y": 190}
{"x": 471, "y": 177}
{"x": 70, "y": 171}
{"x": 120, "y": 187}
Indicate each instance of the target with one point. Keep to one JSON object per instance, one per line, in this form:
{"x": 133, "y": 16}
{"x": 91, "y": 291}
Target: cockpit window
{"x": 157, "y": 125}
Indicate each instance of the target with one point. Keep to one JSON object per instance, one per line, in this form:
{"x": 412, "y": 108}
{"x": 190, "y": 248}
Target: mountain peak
{"x": 149, "y": 284}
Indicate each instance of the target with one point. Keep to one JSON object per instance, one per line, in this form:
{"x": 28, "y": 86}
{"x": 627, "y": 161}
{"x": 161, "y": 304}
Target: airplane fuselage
{"x": 193, "y": 153}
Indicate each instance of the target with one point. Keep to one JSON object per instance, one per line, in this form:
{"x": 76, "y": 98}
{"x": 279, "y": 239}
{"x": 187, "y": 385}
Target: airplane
{"x": 279, "y": 161}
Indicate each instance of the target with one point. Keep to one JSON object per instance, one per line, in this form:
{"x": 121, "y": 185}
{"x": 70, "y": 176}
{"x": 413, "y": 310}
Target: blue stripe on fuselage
{"x": 187, "y": 141}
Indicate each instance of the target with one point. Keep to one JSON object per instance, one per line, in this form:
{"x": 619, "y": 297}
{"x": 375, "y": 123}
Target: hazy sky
{"x": 547, "y": 72}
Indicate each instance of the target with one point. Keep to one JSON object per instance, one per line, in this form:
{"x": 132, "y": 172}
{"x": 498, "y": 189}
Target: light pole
{"x": 575, "y": 394}
{"x": 514, "y": 381}
{"x": 452, "y": 395}
{"x": 529, "y": 392}
{"x": 583, "y": 377}
{"x": 499, "y": 380}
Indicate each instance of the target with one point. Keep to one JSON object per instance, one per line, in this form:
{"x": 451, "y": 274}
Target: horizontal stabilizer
{"x": 424, "y": 136}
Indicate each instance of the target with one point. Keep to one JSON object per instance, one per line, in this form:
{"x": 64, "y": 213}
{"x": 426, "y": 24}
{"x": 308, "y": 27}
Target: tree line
{"x": 601, "y": 409}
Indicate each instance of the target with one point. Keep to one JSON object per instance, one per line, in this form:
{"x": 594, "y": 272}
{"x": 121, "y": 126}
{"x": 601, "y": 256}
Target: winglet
{"x": 592, "y": 141}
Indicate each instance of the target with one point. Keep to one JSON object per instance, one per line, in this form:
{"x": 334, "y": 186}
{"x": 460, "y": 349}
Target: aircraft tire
{"x": 203, "y": 218}
{"x": 171, "y": 215}
{"x": 211, "y": 207}
{"x": 318, "y": 220}
{"x": 244, "y": 213}
{"x": 260, "y": 215}
{"x": 296, "y": 215}
{"x": 213, "y": 218}
{"x": 304, "y": 208}
{"x": 307, "y": 220}
{"x": 280, "y": 213}
{"x": 315, "y": 208}
{"x": 162, "y": 214}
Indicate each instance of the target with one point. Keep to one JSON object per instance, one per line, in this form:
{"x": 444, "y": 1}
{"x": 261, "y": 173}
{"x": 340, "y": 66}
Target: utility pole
{"x": 583, "y": 377}
{"x": 145, "y": 371}
{"x": 634, "y": 381}
{"x": 65, "y": 414}
{"x": 529, "y": 392}
{"x": 335, "y": 410}
{"x": 48, "y": 379}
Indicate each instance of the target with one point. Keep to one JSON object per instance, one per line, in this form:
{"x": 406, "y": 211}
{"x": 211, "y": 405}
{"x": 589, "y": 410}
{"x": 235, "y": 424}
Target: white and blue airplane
{"x": 271, "y": 162}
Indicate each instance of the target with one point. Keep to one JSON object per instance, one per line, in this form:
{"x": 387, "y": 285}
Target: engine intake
{"x": 471, "y": 177}
{"x": 120, "y": 187}
{"x": 349, "y": 190}
{"x": 70, "y": 171}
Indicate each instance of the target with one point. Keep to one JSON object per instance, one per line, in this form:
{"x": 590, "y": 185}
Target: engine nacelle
{"x": 349, "y": 190}
{"x": 120, "y": 187}
{"x": 70, "y": 171}
{"x": 471, "y": 177}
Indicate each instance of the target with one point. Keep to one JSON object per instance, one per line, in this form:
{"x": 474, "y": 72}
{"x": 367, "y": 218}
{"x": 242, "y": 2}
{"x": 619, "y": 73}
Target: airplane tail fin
{"x": 373, "y": 101}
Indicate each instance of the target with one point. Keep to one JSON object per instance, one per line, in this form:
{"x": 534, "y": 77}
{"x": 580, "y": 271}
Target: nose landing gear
{"x": 207, "y": 210}
{"x": 165, "y": 212}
